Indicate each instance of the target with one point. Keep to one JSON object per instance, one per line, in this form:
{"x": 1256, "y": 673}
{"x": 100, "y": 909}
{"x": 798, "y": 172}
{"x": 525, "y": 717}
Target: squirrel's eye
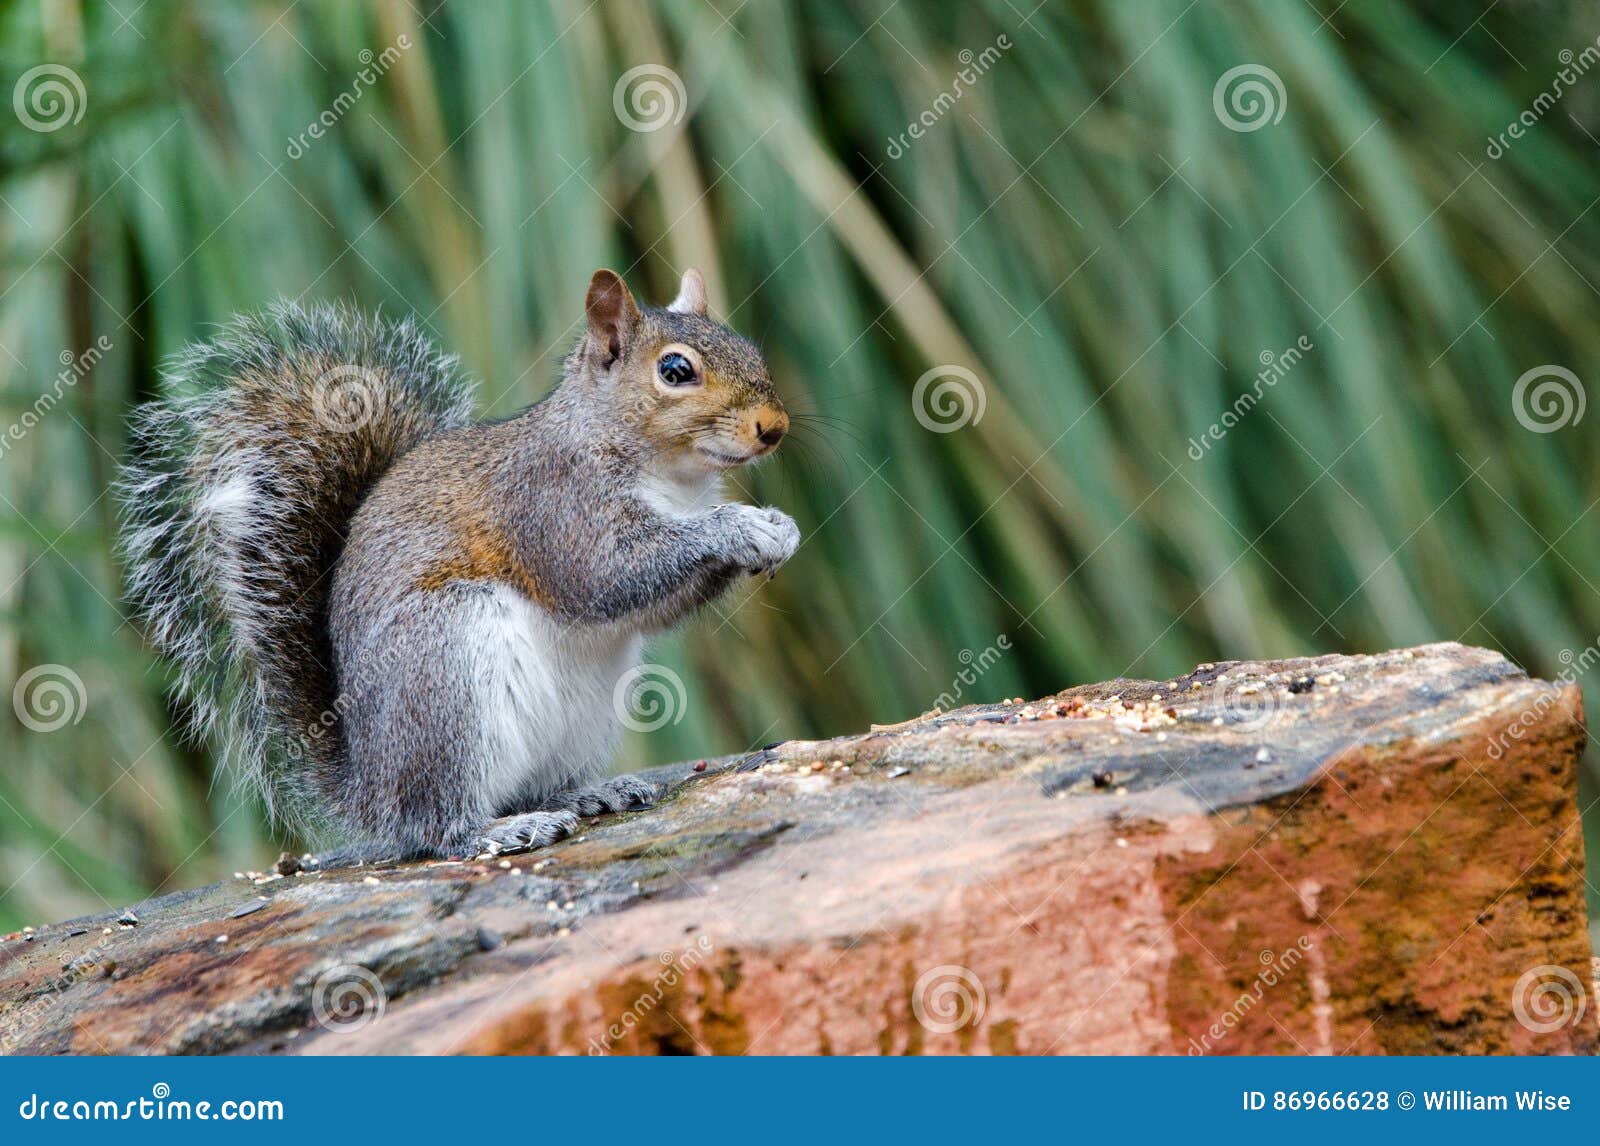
{"x": 675, "y": 369}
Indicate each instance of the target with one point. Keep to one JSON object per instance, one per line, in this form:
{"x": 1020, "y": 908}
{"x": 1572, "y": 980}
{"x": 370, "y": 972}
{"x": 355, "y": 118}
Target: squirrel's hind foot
{"x": 526, "y": 831}
{"x": 618, "y": 794}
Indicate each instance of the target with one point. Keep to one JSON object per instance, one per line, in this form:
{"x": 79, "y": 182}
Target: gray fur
{"x": 409, "y": 629}
{"x": 237, "y": 596}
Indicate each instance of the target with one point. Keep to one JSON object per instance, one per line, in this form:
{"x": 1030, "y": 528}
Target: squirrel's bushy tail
{"x": 235, "y": 504}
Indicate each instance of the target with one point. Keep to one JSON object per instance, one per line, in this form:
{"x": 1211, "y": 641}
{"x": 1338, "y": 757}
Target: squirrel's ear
{"x": 612, "y": 314}
{"x": 691, "y": 294}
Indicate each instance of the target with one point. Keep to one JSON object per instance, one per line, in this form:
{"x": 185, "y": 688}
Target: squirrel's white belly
{"x": 546, "y": 695}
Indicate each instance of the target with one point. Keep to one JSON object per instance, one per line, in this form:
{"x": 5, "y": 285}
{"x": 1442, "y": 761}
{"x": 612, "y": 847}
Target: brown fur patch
{"x": 485, "y": 554}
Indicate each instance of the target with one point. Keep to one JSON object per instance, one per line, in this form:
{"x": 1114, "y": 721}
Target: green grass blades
{"x": 1120, "y": 335}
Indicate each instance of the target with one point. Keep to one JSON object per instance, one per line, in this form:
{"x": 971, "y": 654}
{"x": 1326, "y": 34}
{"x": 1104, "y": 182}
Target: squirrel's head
{"x": 691, "y": 392}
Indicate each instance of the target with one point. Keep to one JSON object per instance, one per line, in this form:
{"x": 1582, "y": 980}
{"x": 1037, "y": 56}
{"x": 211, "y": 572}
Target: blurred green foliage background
{"x": 1079, "y": 228}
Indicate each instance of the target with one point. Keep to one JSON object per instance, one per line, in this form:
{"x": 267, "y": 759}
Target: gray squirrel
{"x": 410, "y": 626}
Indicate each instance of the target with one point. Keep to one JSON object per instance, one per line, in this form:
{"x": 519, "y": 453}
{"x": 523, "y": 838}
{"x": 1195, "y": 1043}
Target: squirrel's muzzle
{"x": 766, "y": 425}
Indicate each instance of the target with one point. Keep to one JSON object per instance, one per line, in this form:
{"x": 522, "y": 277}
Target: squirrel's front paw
{"x": 618, "y": 794}
{"x": 764, "y": 538}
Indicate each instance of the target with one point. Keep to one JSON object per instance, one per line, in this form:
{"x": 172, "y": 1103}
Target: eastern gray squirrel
{"x": 410, "y": 625}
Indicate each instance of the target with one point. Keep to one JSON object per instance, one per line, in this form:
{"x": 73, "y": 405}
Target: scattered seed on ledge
{"x": 250, "y": 908}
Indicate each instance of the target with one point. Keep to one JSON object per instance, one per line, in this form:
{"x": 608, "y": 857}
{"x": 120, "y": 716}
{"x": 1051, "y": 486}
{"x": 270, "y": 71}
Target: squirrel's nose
{"x": 770, "y": 424}
{"x": 769, "y": 435}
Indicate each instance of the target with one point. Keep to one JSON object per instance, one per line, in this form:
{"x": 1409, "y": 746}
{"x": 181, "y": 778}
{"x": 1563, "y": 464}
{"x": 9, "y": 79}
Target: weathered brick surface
{"x": 1313, "y": 856}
